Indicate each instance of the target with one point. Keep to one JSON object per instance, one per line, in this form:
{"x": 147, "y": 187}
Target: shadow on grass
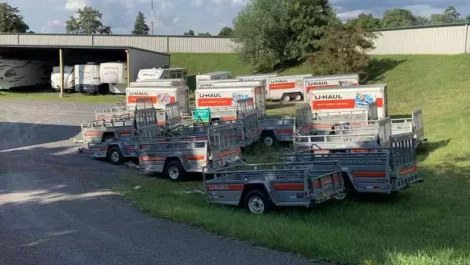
{"x": 378, "y": 67}
{"x": 279, "y": 106}
{"x": 427, "y": 148}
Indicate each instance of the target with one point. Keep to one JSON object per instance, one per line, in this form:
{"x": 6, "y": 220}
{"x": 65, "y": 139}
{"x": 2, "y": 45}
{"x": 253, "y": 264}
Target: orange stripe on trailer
{"x": 408, "y": 170}
{"x": 323, "y": 126}
{"x": 289, "y": 186}
{"x": 289, "y": 85}
{"x": 230, "y": 152}
{"x": 229, "y": 118}
{"x": 98, "y": 149}
{"x": 93, "y": 133}
{"x": 335, "y": 178}
{"x": 152, "y": 158}
{"x": 214, "y": 102}
{"x": 285, "y": 131}
{"x": 197, "y": 158}
{"x": 125, "y": 132}
{"x": 225, "y": 187}
{"x": 334, "y": 104}
{"x": 161, "y": 123}
{"x": 369, "y": 174}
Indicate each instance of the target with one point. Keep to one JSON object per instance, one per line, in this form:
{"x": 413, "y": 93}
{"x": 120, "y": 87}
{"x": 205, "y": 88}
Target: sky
{"x": 174, "y": 17}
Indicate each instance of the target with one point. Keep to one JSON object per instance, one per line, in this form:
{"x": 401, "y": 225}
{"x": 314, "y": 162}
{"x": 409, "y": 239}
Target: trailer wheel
{"x": 115, "y": 156}
{"x": 174, "y": 171}
{"x": 257, "y": 202}
{"x": 298, "y": 97}
{"x": 286, "y": 98}
{"x": 269, "y": 139}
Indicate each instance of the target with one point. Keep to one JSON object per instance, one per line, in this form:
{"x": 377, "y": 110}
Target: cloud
{"x": 351, "y": 14}
{"x": 197, "y": 3}
{"x": 74, "y": 5}
{"x": 54, "y": 23}
{"x": 424, "y": 10}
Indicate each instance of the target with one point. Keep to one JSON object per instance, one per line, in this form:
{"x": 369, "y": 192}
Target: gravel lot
{"x": 56, "y": 206}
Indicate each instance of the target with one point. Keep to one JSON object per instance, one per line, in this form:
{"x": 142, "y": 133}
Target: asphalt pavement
{"x": 57, "y": 206}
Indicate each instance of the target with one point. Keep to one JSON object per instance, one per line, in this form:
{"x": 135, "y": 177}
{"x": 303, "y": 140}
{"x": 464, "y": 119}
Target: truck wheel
{"x": 286, "y": 98}
{"x": 257, "y": 202}
{"x": 298, "y": 97}
{"x": 174, "y": 171}
{"x": 115, "y": 156}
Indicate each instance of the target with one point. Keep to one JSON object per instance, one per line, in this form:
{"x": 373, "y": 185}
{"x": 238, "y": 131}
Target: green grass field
{"x": 426, "y": 224}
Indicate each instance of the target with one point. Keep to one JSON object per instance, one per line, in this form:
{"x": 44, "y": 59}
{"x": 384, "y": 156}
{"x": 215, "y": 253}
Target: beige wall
{"x": 433, "y": 40}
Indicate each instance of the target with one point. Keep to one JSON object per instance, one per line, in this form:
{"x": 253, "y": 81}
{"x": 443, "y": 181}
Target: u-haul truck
{"x": 349, "y": 98}
{"x": 232, "y": 90}
{"x": 286, "y": 88}
{"x": 315, "y": 82}
{"x": 161, "y": 92}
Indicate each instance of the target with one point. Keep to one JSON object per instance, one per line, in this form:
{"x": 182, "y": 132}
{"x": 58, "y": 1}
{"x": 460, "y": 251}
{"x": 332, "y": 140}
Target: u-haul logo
{"x": 280, "y": 81}
{"x": 210, "y": 95}
{"x": 328, "y": 97}
{"x": 317, "y": 83}
{"x": 206, "y": 85}
{"x": 218, "y": 187}
{"x": 138, "y": 93}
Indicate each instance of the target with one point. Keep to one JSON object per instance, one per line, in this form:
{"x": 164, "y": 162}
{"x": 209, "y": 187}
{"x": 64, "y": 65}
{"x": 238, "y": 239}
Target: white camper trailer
{"x": 161, "y": 73}
{"x": 87, "y": 79}
{"x": 286, "y": 88}
{"x": 349, "y": 98}
{"x": 161, "y": 92}
{"x": 233, "y": 89}
{"x": 315, "y": 82}
{"x": 23, "y": 73}
{"x": 115, "y": 75}
{"x": 213, "y": 76}
{"x": 69, "y": 78}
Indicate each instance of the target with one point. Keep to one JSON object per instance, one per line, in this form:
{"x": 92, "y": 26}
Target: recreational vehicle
{"x": 212, "y": 76}
{"x": 115, "y": 75}
{"x": 161, "y": 73}
{"x": 87, "y": 79}
{"x": 23, "y": 73}
{"x": 69, "y": 78}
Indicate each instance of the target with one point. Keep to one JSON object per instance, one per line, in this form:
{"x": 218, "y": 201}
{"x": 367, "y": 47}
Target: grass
{"x": 427, "y": 224}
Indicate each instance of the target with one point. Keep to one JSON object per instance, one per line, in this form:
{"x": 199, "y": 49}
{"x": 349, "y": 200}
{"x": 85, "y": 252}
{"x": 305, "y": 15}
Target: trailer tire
{"x": 269, "y": 139}
{"x": 174, "y": 171}
{"x": 257, "y": 202}
{"x": 298, "y": 97}
{"x": 286, "y": 98}
{"x": 115, "y": 156}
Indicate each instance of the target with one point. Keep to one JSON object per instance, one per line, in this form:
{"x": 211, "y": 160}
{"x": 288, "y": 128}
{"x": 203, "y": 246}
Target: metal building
{"x": 135, "y": 58}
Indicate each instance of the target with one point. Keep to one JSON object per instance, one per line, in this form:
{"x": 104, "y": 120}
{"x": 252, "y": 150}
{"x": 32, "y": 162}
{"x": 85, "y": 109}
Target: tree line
{"x": 277, "y": 34}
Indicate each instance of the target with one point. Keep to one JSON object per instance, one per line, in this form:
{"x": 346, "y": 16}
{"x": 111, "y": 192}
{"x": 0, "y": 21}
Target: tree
{"x": 365, "y": 21}
{"x": 204, "y": 34}
{"x": 10, "y": 20}
{"x": 398, "y": 17}
{"x": 86, "y": 21}
{"x": 437, "y": 19}
{"x": 451, "y": 15}
{"x": 342, "y": 49}
{"x": 276, "y": 33}
{"x": 421, "y": 21}
{"x": 140, "y": 27}
{"x": 226, "y": 32}
{"x": 189, "y": 33}
{"x": 467, "y": 19}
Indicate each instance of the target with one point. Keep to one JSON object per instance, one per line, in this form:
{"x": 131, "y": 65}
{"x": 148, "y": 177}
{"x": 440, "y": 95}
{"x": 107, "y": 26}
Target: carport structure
{"x": 135, "y": 58}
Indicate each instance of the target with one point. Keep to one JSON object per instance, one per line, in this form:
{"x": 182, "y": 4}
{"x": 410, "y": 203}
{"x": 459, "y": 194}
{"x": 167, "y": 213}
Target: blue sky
{"x": 178, "y": 16}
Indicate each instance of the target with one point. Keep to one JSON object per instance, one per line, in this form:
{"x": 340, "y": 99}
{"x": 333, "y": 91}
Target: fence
{"x": 443, "y": 39}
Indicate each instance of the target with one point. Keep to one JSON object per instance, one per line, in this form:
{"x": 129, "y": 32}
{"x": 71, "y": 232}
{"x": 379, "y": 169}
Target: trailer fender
{"x": 182, "y": 161}
{"x": 348, "y": 178}
{"x": 255, "y": 186}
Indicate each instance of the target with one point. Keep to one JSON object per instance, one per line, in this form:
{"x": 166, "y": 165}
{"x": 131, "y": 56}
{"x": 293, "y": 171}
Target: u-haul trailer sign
{"x": 315, "y": 82}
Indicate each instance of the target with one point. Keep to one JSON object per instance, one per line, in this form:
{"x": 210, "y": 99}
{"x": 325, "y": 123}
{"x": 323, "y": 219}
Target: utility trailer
{"x": 413, "y": 124}
{"x": 276, "y": 129}
{"x": 260, "y": 187}
{"x": 176, "y": 156}
{"x": 376, "y": 170}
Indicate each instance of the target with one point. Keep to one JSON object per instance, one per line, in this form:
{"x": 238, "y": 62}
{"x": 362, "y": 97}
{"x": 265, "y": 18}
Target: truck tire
{"x": 174, "y": 171}
{"x": 257, "y": 202}
{"x": 269, "y": 139}
{"x": 115, "y": 156}
{"x": 286, "y": 98}
{"x": 298, "y": 97}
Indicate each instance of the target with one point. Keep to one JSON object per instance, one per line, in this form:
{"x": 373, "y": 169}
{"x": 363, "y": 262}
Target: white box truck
{"x": 286, "y": 88}
{"x": 69, "y": 78}
{"x": 213, "y": 76}
{"x": 349, "y": 98}
{"x": 115, "y": 75}
{"x": 23, "y": 73}
{"x": 161, "y": 93}
{"x": 223, "y": 93}
{"x": 314, "y": 82}
{"x": 260, "y": 77}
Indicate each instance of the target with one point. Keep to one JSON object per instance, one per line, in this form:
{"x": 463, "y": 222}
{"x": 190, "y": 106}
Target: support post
{"x": 466, "y": 39}
{"x": 128, "y": 63}
{"x": 61, "y": 66}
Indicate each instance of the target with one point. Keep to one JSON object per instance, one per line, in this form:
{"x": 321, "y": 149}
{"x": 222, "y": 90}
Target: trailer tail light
{"x": 130, "y": 148}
